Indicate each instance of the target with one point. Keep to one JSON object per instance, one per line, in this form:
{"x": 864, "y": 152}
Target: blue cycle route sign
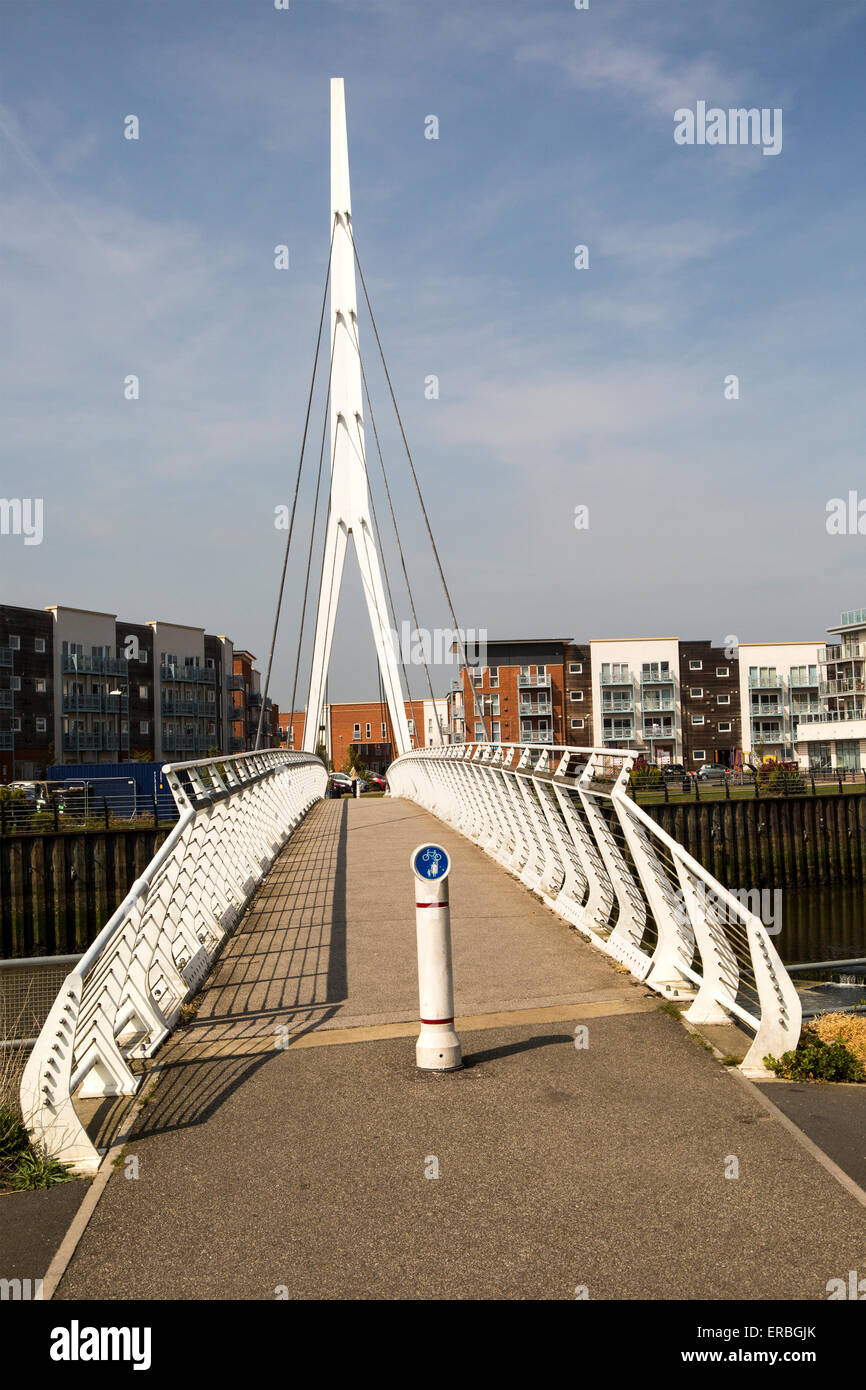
{"x": 430, "y": 862}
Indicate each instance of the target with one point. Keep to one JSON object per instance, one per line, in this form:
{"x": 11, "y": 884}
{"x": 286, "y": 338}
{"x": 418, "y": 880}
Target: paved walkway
{"x": 308, "y": 1166}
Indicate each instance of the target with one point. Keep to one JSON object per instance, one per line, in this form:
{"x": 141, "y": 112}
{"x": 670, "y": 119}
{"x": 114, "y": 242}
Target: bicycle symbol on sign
{"x": 434, "y": 859}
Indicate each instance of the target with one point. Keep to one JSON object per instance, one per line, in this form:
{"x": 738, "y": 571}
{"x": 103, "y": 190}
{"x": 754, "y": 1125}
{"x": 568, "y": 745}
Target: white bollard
{"x": 438, "y": 1046}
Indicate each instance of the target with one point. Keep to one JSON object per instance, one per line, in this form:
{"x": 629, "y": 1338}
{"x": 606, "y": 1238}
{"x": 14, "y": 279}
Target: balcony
{"x": 7, "y": 741}
{"x": 172, "y": 708}
{"x": 530, "y": 735}
{"x": 94, "y": 665}
{"x": 834, "y": 716}
{"x": 616, "y": 675}
{"x": 72, "y": 743}
{"x": 86, "y": 704}
{"x": 624, "y": 730}
{"x": 659, "y": 706}
{"x": 537, "y": 681}
{"x": 765, "y": 681}
{"x": 611, "y": 705}
{"x": 842, "y": 651}
{"x": 854, "y": 617}
{"x": 528, "y": 707}
{"x": 7, "y": 656}
{"x": 774, "y": 734}
{"x": 770, "y": 708}
{"x": 653, "y": 730}
{"x": 203, "y": 675}
{"x": 656, "y": 677}
{"x": 854, "y": 685}
{"x": 7, "y": 699}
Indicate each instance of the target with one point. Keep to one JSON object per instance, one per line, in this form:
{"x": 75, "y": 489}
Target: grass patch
{"x": 731, "y": 1060}
{"x": 847, "y": 1028}
{"x": 670, "y": 1009}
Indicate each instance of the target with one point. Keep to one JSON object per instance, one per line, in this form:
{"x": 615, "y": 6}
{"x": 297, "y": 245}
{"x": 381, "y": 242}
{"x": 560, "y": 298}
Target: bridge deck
{"x": 305, "y": 1167}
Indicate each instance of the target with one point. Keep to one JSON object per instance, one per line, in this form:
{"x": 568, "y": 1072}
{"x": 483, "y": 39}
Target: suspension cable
{"x": 295, "y": 498}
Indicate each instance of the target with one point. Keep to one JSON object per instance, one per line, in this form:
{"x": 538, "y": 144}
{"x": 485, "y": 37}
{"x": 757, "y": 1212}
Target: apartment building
{"x": 26, "y": 692}
{"x": 519, "y": 696}
{"x": 636, "y": 696}
{"x": 82, "y": 686}
{"x": 779, "y": 686}
{"x": 831, "y": 730}
{"x": 710, "y": 703}
{"x": 245, "y": 707}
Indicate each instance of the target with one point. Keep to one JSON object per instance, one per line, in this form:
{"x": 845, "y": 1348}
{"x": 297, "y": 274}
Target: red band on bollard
{"x": 431, "y": 904}
{"x": 437, "y": 1020}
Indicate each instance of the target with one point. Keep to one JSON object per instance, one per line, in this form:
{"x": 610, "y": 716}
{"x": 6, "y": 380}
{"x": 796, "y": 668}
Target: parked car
{"x": 378, "y": 783}
{"x": 712, "y": 772}
{"x": 674, "y": 770}
{"x": 343, "y": 778}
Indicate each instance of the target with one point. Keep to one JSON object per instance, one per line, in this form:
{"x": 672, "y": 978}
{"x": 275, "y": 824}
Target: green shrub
{"x": 815, "y": 1060}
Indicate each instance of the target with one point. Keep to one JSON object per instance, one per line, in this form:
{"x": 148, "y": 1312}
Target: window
{"x": 697, "y": 719}
{"x": 41, "y": 685}
{"x": 494, "y": 675}
{"x": 356, "y": 731}
{"x": 368, "y": 734}
{"x": 41, "y": 726}
{"x": 210, "y": 664}
{"x": 16, "y": 682}
{"x": 384, "y": 732}
{"x": 723, "y": 699}
{"x": 410, "y": 723}
{"x": 577, "y": 723}
{"x": 725, "y": 728}
{"x": 575, "y": 668}
{"x": 495, "y": 731}
{"x": 576, "y": 696}
{"x": 478, "y": 679}
{"x": 696, "y": 666}
{"x": 699, "y": 756}
{"x": 144, "y": 726}
{"x": 696, "y": 692}
{"x": 39, "y": 644}
{"x": 15, "y": 644}
{"x": 143, "y": 692}
{"x": 722, "y": 671}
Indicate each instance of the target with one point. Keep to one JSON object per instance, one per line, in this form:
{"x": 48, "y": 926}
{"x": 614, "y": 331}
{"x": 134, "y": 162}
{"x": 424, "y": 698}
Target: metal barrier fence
{"x": 87, "y": 809}
{"x": 562, "y": 821}
{"x": 125, "y": 994}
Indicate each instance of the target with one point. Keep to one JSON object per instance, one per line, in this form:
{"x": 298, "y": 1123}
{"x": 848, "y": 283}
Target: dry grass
{"x": 849, "y": 1028}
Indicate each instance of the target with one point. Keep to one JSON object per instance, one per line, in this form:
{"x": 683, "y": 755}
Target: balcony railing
{"x": 765, "y": 682}
{"x": 7, "y": 699}
{"x": 658, "y": 730}
{"x": 843, "y": 651}
{"x": 541, "y": 682}
{"x": 7, "y": 656}
{"x": 770, "y": 708}
{"x": 853, "y": 686}
{"x": 204, "y": 675}
{"x": 662, "y": 707}
{"x": 536, "y": 736}
{"x": 94, "y": 665}
{"x": 90, "y": 741}
{"x": 7, "y": 741}
{"x": 610, "y": 675}
{"x": 529, "y": 707}
{"x": 613, "y": 706}
{"x": 88, "y": 704}
{"x": 834, "y": 716}
{"x": 657, "y": 678}
{"x": 234, "y": 682}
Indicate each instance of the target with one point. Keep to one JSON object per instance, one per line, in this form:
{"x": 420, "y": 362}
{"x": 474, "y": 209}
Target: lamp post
{"x": 120, "y": 694}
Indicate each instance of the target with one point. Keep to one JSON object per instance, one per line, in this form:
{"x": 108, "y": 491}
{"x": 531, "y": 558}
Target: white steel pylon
{"x": 350, "y": 501}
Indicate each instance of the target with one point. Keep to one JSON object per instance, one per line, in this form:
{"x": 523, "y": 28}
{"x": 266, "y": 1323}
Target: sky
{"x": 602, "y": 387}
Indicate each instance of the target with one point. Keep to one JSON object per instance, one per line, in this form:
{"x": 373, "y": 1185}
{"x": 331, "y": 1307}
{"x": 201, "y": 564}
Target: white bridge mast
{"x": 350, "y": 501}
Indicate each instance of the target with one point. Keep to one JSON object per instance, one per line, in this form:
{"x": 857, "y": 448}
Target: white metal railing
{"x": 562, "y": 821}
{"x": 125, "y": 994}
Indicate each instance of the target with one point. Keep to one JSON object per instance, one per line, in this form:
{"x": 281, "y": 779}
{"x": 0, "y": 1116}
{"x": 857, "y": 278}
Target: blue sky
{"x": 558, "y": 387}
